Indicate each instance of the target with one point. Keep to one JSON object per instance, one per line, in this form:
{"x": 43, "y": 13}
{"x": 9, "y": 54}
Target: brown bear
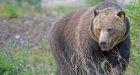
{"x": 82, "y": 40}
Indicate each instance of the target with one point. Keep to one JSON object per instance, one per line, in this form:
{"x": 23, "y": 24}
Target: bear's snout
{"x": 104, "y": 45}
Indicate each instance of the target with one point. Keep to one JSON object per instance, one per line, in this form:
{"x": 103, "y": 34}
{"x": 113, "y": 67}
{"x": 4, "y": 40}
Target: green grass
{"x": 9, "y": 11}
{"x": 40, "y": 61}
{"x": 133, "y": 11}
{"x": 90, "y": 3}
{"x": 12, "y": 60}
{"x": 60, "y": 11}
{"x": 18, "y": 61}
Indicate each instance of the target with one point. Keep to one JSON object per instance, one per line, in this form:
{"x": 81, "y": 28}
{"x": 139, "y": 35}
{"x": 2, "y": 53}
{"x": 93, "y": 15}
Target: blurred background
{"x": 24, "y": 28}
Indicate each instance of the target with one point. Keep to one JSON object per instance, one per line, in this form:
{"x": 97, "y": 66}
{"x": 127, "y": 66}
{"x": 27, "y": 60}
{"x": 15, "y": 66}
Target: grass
{"x": 59, "y": 11}
{"x": 133, "y": 11}
{"x": 90, "y": 3}
{"x": 40, "y": 61}
{"x": 12, "y": 60}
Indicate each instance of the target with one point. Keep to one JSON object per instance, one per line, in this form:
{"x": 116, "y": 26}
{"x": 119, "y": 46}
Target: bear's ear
{"x": 96, "y": 12}
{"x": 121, "y": 14}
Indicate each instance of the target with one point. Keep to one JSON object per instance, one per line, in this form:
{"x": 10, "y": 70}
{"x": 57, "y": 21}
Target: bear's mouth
{"x": 105, "y": 48}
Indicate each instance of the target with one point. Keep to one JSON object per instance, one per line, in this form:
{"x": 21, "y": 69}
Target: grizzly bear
{"x": 92, "y": 41}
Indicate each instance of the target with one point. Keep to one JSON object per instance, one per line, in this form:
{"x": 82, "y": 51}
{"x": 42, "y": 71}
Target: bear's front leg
{"x": 118, "y": 59}
{"x": 93, "y": 67}
{"x": 116, "y": 67}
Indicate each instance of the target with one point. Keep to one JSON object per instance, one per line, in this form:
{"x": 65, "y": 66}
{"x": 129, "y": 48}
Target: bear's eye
{"x": 98, "y": 29}
{"x": 111, "y": 30}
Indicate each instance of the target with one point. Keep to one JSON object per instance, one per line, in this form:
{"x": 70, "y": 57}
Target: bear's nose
{"x": 103, "y": 43}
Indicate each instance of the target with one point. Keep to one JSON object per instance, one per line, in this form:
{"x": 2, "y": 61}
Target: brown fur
{"x": 75, "y": 42}
{"x": 109, "y": 20}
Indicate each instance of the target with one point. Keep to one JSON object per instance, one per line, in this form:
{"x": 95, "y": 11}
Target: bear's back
{"x": 65, "y": 27}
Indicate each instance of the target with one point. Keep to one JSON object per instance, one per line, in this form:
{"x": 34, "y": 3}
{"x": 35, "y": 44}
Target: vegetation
{"x": 92, "y": 2}
{"x": 133, "y": 11}
{"x": 16, "y": 60}
{"x": 60, "y": 11}
{"x": 9, "y": 11}
{"x": 15, "y": 10}
{"x": 13, "y": 60}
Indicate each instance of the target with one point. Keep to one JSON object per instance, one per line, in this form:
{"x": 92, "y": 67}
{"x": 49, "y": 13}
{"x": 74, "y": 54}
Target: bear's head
{"x": 108, "y": 27}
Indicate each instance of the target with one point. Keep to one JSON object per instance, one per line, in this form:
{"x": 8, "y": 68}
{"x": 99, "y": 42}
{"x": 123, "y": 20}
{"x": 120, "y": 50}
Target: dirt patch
{"x": 34, "y": 29}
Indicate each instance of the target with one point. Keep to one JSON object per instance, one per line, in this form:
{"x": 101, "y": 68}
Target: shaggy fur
{"x": 76, "y": 48}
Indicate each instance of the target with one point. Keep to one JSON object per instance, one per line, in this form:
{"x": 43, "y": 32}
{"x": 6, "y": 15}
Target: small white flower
{"x": 17, "y": 36}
